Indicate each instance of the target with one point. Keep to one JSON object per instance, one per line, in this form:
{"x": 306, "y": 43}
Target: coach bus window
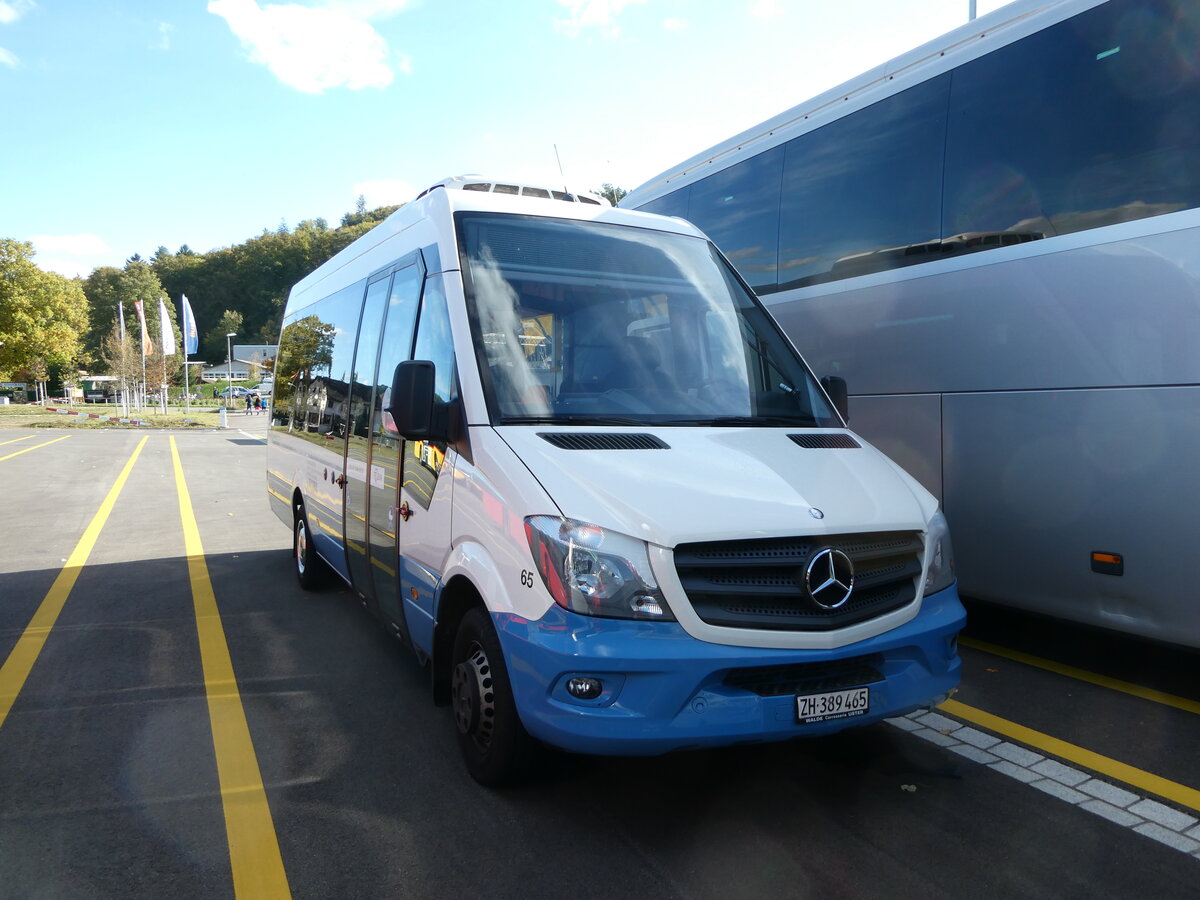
{"x": 739, "y": 209}
{"x": 1092, "y": 122}
{"x": 672, "y": 204}
{"x": 862, "y": 194}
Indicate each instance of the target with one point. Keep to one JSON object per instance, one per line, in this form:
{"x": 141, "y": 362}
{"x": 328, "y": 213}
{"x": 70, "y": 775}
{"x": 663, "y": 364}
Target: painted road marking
{"x": 1147, "y": 817}
{"x": 1114, "y": 684}
{"x": 17, "y": 440}
{"x": 1139, "y": 778}
{"x": 253, "y": 845}
{"x": 20, "y": 662}
{"x": 34, "y": 447}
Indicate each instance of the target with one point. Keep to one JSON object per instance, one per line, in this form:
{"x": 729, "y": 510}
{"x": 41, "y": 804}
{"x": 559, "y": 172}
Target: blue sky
{"x": 133, "y": 123}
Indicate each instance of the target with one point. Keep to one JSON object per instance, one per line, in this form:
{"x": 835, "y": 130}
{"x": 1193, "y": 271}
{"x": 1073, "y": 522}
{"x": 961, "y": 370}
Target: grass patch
{"x": 36, "y": 417}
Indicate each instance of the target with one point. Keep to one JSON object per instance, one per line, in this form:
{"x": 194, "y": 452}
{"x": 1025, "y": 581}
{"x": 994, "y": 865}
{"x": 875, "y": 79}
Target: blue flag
{"x": 191, "y": 341}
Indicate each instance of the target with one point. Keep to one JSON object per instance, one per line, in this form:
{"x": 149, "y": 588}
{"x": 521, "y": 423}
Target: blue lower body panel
{"x": 664, "y": 690}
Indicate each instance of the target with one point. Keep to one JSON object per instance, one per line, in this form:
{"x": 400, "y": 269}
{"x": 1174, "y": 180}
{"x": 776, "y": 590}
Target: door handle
{"x": 405, "y": 512}
{"x": 340, "y": 481}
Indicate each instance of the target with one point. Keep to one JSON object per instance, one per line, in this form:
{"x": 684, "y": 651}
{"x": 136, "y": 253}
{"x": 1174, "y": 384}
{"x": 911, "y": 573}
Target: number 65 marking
{"x": 526, "y": 578}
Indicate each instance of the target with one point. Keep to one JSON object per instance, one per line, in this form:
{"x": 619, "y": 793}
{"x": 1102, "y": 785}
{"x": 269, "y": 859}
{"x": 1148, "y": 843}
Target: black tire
{"x": 495, "y": 746}
{"x": 311, "y": 571}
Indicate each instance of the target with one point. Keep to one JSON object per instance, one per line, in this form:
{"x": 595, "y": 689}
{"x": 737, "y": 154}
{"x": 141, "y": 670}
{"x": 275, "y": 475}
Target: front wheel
{"x": 310, "y": 568}
{"x": 494, "y": 743}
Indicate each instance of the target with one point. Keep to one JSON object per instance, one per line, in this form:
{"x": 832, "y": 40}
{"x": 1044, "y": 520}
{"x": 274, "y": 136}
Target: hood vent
{"x": 602, "y": 441}
{"x": 825, "y": 441}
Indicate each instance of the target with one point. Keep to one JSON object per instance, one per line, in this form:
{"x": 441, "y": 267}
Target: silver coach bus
{"x": 995, "y": 239}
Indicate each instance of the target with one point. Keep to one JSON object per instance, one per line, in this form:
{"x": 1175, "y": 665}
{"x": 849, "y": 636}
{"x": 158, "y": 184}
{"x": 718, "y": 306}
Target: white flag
{"x": 168, "y": 333}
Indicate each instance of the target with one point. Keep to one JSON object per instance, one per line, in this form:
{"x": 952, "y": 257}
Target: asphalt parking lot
{"x": 178, "y": 718}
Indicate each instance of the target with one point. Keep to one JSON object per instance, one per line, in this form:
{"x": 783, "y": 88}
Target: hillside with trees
{"x": 52, "y": 328}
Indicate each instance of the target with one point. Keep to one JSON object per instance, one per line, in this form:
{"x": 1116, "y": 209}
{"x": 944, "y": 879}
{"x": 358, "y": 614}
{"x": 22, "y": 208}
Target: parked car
{"x": 237, "y": 391}
{"x": 264, "y": 388}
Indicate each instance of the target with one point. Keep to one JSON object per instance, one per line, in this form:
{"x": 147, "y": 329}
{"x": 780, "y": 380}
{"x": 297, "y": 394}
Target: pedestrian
{"x": 257, "y": 404}
{"x": 248, "y": 404}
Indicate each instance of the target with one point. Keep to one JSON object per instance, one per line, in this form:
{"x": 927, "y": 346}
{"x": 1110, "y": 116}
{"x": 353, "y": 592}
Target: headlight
{"x": 595, "y": 572}
{"x": 940, "y": 566}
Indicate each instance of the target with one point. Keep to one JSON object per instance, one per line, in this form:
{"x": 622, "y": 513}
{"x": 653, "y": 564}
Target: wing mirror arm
{"x": 835, "y": 388}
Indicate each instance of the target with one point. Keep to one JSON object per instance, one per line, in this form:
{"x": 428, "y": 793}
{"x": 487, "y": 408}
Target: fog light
{"x": 583, "y": 687}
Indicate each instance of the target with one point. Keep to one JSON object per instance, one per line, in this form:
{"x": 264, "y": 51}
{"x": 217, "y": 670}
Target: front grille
{"x": 807, "y": 678}
{"x": 760, "y": 583}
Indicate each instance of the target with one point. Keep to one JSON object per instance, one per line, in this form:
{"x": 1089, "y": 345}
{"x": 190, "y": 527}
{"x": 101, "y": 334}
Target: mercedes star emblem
{"x": 829, "y": 578}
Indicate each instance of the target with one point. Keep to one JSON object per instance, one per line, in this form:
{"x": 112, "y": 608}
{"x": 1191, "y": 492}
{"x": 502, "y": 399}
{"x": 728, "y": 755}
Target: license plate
{"x": 812, "y": 708}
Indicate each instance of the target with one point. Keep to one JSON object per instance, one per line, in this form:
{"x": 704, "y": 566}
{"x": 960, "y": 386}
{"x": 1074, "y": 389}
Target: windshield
{"x": 592, "y": 323}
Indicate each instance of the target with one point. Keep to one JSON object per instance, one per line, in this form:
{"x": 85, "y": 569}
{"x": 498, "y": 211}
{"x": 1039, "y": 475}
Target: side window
{"x": 738, "y": 209}
{"x": 313, "y": 368}
{"x": 362, "y": 392}
{"x": 1092, "y": 122}
{"x": 672, "y": 204}
{"x": 863, "y": 194}
{"x": 435, "y": 343}
{"x": 305, "y": 347}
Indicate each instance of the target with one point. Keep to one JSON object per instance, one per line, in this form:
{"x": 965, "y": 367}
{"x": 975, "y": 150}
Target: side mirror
{"x": 411, "y": 402}
{"x": 835, "y": 387}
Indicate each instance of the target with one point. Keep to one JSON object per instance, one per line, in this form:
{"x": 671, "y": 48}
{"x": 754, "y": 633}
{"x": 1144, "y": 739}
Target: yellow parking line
{"x": 17, "y": 440}
{"x": 1114, "y": 684}
{"x": 29, "y": 646}
{"x": 1177, "y": 793}
{"x": 253, "y": 845}
{"x": 34, "y": 447}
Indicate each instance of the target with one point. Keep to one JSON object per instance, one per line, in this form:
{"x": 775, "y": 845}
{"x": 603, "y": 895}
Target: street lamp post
{"x": 229, "y": 365}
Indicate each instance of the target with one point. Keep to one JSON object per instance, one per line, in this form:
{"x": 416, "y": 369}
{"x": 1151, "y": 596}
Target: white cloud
{"x": 315, "y": 48}
{"x": 765, "y": 10}
{"x": 674, "y": 24}
{"x": 384, "y": 192}
{"x": 71, "y": 254}
{"x": 8, "y": 58}
{"x": 164, "y": 36}
{"x": 598, "y": 14}
{"x": 11, "y": 10}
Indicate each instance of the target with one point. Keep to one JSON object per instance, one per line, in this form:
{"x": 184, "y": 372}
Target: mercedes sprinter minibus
{"x": 562, "y": 452}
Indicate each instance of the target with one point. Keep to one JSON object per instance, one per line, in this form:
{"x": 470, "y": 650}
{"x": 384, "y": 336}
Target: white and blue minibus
{"x": 561, "y": 451}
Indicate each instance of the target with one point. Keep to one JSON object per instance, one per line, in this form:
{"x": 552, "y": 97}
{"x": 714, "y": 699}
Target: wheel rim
{"x": 301, "y": 546}
{"x": 473, "y": 697}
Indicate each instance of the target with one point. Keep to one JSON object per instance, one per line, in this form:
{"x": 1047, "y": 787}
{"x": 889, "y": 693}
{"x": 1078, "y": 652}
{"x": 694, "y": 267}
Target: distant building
{"x": 249, "y": 361}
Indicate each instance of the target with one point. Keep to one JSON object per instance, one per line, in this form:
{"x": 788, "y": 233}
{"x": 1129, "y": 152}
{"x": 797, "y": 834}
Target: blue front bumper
{"x": 664, "y": 690}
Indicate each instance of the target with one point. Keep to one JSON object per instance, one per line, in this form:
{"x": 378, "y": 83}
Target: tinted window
{"x": 673, "y": 204}
{"x": 313, "y": 368}
{"x": 1091, "y": 122}
{"x": 863, "y": 193}
{"x": 434, "y": 343}
{"x": 739, "y": 209}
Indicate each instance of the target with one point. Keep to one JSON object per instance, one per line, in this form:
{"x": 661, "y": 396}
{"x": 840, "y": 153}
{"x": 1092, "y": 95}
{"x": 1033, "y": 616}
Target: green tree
{"x": 611, "y": 192}
{"x": 42, "y": 317}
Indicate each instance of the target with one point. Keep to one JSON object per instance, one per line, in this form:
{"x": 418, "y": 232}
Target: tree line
{"x": 52, "y": 328}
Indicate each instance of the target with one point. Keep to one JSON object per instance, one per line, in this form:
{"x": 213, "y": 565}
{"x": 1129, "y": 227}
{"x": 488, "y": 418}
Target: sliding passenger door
{"x": 426, "y": 480}
{"x": 386, "y": 445}
{"x": 358, "y": 473}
